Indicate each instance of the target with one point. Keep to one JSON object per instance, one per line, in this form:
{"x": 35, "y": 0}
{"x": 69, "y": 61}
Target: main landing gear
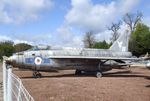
{"x": 98, "y": 74}
{"x": 78, "y": 72}
{"x": 37, "y": 74}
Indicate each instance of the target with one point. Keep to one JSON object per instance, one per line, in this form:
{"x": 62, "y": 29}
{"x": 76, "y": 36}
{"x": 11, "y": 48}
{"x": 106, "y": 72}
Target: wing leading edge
{"x": 96, "y": 58}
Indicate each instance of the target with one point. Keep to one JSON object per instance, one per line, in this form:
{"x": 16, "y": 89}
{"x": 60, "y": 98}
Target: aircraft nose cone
{"x": 11, "y": 59}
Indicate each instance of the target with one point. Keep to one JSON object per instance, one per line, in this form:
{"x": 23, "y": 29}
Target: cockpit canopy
{"x": 40, "y": 47}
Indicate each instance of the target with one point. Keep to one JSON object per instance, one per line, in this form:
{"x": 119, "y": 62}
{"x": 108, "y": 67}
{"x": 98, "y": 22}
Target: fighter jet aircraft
{"x": 45, "y": 59}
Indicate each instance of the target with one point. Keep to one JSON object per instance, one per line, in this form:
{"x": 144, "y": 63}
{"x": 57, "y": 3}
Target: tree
{"x": 6, "y": 48}
{"x": 132, "y": 20}
{"x": 89, "y": 39}
{"x": 101, "y": 45}
{"x": 1, "y": 51}
{"x": 140, "y": 40}
{"x": 22, "y": 47}
{"x": 114, "y": 28}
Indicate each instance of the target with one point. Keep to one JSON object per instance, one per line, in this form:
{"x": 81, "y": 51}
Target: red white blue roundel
{"x": 38, "y": 60}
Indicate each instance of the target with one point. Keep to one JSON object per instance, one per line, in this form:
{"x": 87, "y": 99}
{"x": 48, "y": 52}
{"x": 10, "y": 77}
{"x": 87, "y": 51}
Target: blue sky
{"x": 64, "y": 22}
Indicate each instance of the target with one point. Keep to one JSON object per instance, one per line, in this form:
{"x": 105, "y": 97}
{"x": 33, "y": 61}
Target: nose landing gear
{"x": 98, "y": 74}
{"x": 37, "y": 74}
{"x": 78, "y": 72}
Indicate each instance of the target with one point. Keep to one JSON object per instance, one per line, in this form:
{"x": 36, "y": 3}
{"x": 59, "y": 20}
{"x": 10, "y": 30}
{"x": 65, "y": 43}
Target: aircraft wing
{"x": 91, "y": 57}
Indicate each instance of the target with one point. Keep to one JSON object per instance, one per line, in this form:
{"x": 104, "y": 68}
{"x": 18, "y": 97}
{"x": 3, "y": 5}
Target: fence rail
{"x": 13, "y": 87}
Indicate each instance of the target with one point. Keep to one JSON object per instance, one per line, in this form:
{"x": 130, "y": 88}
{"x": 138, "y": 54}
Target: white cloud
{"x": 77, "y": 41}
{"x": 146, "y": 20}
{"x": 16, "y": 41}
{"x": 105, "y": 35}
{"x": 125, "y": 6}
{"x": 18, "y": 11}
{"x": 22, "y": 41}
{"x": 83, "y": 15}
{"x": 96, "y": 17}
{"x": 25, "y": 38}
{"x": 36, "y": 38}
{"x": 64, "y": 36}
{"x": 4, "y": 38}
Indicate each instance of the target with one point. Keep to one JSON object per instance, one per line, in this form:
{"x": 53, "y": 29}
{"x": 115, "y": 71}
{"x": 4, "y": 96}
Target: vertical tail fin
{"x": 121, "y": 44}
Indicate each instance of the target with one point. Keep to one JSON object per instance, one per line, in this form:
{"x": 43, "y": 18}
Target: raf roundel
{"x": 38, "y": 61}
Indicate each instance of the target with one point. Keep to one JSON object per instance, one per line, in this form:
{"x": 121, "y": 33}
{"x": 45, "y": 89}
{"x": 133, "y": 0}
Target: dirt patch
{"x": 116, "y": 85}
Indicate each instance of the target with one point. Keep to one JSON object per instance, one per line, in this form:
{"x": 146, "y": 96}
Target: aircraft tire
{"x": 37, "y": 75}
{"x": 98, "y": 74}
{"x": 34, "y": 74}
{"x": 78, "y": 72}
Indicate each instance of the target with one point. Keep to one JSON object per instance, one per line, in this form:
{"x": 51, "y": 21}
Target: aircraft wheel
{"x": 78, "y": 72}
{"x": 34, "y": 74}
{"x": 37, "y": 75}
{"x": 98, "y": 74}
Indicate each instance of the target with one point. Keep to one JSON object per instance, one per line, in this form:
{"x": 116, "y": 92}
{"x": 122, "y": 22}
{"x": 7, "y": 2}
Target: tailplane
{"x": 121, "y": 44}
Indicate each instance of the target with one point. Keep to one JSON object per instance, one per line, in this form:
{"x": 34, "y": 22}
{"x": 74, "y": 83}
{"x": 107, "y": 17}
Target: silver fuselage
{"x": 82, "y": 59}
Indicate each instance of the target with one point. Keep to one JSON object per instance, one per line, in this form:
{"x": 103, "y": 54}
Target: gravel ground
{"x": 1, "y": 79}
{"x": 116, "y": 85}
